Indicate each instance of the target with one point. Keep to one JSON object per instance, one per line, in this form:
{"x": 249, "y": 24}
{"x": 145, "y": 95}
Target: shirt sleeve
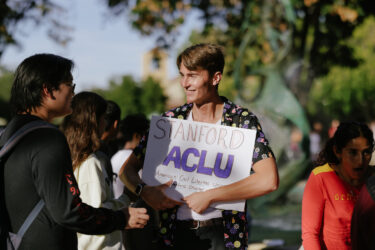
{"x": 55, "y": 183}
{"x": 262, "y": 149}
{"x": 312, "y": 214}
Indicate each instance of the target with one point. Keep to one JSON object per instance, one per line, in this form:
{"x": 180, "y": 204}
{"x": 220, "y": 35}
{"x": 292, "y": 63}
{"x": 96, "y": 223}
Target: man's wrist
{"x": 121, "y": 220}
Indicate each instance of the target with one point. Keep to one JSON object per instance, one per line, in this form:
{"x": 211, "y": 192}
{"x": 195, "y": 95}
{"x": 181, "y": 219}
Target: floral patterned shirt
{"x": 234, "y": 222}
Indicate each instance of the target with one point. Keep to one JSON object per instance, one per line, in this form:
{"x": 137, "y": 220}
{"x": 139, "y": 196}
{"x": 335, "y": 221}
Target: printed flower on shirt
{"x": 237, "y": 244}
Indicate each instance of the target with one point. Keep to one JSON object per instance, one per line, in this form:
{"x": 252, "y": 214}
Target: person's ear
{"x": 216, "y": 78}
{"x": 47, "y": 93}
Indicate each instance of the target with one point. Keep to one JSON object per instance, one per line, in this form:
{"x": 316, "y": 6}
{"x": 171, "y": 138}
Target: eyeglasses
{"x": 71, "y": 85}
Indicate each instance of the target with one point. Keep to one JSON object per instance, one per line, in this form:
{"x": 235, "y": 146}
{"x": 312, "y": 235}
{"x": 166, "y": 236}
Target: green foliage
{"x": 348, "y": 93}
{"x": 13, "y": 13}
{"x": 227, "y": 89}
{"x": 261, "y": 33}
{"x": 152, "y": 99}
{"x": 135, "y": 97}
{"x": 6, "y": 78}
{"x": 280, "y": 47}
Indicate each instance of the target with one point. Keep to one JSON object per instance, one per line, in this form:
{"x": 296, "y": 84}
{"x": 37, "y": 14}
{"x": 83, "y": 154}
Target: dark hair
{"x": 112, "y": 114}
{"x": 81, "y": 127}
{"x": 133, "y": 124}
{"x": 345, "y": 132}
{"x": 34, "y": 73}
{"x": 205, "y": 56}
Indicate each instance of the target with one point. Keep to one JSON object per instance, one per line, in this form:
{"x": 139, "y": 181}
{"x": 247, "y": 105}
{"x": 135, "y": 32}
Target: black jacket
{"x": 40, "y": 167}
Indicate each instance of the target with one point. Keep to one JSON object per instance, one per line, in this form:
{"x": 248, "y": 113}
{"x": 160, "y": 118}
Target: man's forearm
{"x": 129, "y": 173}
{"x": 264, "y": 180}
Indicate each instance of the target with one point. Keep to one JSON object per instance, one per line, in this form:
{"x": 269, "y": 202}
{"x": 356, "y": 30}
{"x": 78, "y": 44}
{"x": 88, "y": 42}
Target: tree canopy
{"x": 281, "y": 46}
{"x": 306, "y": 35}
{"x": 135, "y": 97}
{"x": 347, "y": 93}
{"x": 15, "y": 12}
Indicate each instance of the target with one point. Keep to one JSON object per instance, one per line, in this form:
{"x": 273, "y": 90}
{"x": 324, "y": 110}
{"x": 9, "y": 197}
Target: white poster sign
{"x": 197, "y": 156}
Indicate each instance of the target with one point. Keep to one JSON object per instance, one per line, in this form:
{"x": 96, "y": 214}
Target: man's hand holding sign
{"x": 197, "y": 157}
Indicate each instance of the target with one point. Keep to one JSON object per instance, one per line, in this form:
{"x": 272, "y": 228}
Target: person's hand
{"x": 198, "y": 201}
{"x": 136, "y": 217}
{"x": 156, "y": 198}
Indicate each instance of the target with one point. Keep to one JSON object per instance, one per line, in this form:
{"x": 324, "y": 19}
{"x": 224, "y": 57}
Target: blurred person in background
{"x": 333, "y": 187}
{"x": 315, "y": 140}
{"x": 83, "y": 129}
{"x": 332, "y": 129}
{"x": 108, "y": 138}
{"x": 112, "y": 119}
{"x": 131, "y": 129}
{"x": 363, "y": 220}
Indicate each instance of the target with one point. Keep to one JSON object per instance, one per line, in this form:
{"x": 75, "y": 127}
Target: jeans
{"x": 203, "y": 238}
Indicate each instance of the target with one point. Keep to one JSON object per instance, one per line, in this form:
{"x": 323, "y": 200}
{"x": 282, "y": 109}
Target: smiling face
{"x": 354, "y": 160}
{"x": 198, "y": 85}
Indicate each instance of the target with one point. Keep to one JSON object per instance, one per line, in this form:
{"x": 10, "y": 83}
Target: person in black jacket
{"x": 40, "y": 166}
{"x": 363, "y": 219}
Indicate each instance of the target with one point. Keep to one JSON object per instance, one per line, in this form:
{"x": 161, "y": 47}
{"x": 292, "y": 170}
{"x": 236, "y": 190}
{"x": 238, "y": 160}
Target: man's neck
{"x": 42, "y": 113}
{"x": 209, "y": 112}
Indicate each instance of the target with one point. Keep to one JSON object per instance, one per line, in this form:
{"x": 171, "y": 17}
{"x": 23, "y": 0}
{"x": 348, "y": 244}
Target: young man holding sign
{"x": 191, "y": 223}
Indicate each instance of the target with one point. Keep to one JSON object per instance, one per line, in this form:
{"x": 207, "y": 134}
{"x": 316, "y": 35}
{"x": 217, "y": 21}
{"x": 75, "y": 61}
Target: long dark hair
{"x": 81, "y": 128}
{"x": 345, "y": 132}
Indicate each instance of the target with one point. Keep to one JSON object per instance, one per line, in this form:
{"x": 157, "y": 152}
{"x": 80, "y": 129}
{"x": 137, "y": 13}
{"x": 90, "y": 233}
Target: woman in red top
{"x": 333, "y": 187}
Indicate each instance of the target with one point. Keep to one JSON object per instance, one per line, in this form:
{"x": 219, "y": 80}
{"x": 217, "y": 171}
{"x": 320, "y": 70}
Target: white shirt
{"x": 117, "y": 161}
{"x": 185, "y": 213}
{"x": 97, "y": 193}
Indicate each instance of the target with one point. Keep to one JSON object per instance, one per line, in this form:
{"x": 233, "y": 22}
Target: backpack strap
{"x": 30, "y": 218}
{"x": 20, "y": 133}
{"x": 8, "y": 146}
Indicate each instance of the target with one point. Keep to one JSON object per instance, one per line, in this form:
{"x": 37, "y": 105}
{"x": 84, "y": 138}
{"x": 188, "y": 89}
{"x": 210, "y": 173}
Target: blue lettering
{"x": 175, "y": 156}
{"x": 184, "y": 159}
{"x": 201, "y": 168}
{"x": 181, "y": 162}
{"x": 223, "y": 173}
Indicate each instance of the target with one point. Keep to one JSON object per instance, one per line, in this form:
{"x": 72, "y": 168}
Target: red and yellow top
{"x": 327, "y": 208}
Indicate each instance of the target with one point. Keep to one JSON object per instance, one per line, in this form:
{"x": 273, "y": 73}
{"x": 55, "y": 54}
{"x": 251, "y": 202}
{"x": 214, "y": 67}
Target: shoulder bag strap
{"x": 18, "y": 135}
{"x": 10, "y": 143}
{"x": 33, "y": 214}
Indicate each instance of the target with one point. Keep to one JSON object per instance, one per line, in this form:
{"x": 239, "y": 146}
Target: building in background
{"x": 155, "y": 66}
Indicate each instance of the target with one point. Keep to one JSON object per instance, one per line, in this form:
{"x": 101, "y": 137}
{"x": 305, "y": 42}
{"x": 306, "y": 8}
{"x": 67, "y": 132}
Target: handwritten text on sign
{"x": 197, "y": 156}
